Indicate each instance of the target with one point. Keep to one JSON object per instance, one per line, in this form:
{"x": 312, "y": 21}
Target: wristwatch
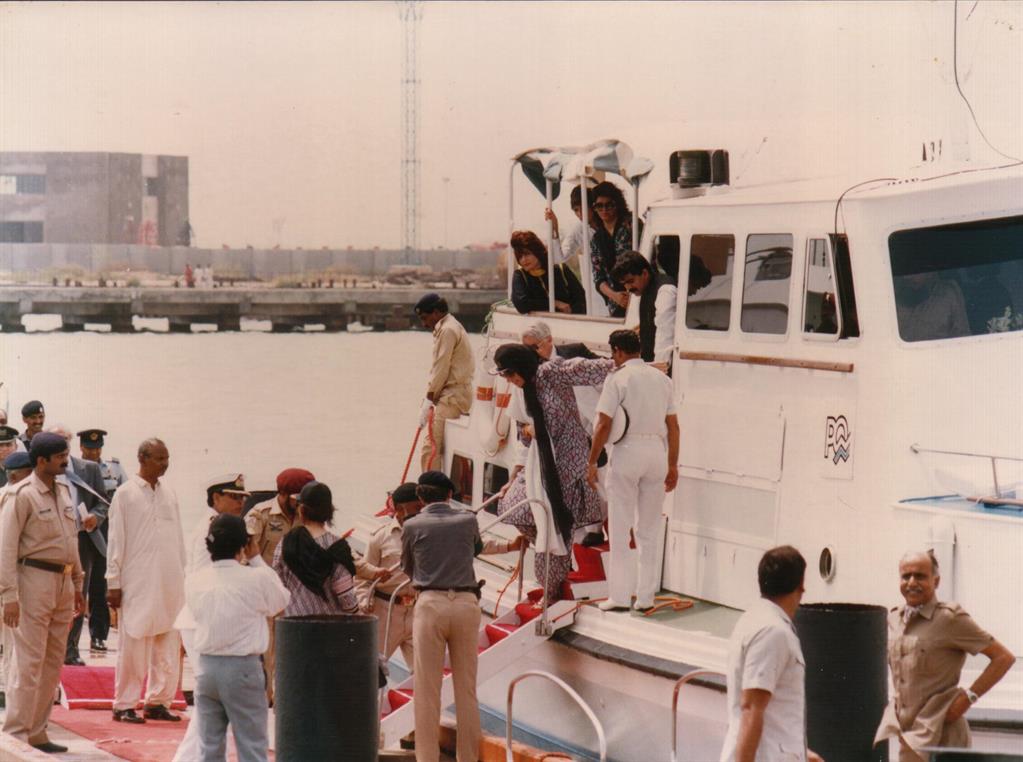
{"x": 971, "y": 695}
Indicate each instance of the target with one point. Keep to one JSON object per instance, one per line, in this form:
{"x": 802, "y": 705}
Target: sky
{"x": 290, "y": 114}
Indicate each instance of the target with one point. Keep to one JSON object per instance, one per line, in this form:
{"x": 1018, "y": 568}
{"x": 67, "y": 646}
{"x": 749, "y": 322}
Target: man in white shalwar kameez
{"x": 145, "y": 581}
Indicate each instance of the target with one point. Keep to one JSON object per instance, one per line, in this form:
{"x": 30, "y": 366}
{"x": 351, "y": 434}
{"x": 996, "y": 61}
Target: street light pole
{"x": 446, "y": 180}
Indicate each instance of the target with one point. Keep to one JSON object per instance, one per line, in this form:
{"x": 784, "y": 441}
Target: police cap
{"x": 91, "y": 439}
{"x": 35, "y": 407}
{"x": 46, "y": 444}
{"x": 7, "y": 434}
{"x": 17, "y": 460}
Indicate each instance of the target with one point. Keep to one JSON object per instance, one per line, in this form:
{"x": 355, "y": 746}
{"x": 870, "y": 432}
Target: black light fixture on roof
{"x": 693, "y": 169}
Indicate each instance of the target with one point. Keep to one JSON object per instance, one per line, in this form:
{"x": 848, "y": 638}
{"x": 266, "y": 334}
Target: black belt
{"x": 49, "y": 566}
{"x": 387, "y": 596}
{"x": 474, "y": 589}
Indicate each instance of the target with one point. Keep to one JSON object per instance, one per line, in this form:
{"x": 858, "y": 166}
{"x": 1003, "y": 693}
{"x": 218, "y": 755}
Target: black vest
{"x": 647, "y": 329}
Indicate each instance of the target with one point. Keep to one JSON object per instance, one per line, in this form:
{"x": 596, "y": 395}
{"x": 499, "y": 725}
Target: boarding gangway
{"x": 501, "y": 642}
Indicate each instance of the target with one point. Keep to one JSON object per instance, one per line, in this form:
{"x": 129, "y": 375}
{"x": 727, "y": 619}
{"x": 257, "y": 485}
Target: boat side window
{"x": 709, "y": 291}
{"x": 820, "y": 302}
{"x": 461, "y": 475}
{"x": 765, "y": 285}
{"x": 664, "y": 255}
{"x": 494, "y": 478}
{"x": 958, "y": 280}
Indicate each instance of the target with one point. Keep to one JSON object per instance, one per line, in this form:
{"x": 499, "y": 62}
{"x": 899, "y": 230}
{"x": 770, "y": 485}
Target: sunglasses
{"x": 608, "y": 207}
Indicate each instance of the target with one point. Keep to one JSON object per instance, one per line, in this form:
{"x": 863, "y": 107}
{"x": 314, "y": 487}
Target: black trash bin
{"x": 845, "y": 647}
{"x": 325, "y": 694}
{"x": 969, "y": 755}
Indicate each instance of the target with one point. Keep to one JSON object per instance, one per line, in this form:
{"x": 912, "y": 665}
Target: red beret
{"x": 291, "y": 480}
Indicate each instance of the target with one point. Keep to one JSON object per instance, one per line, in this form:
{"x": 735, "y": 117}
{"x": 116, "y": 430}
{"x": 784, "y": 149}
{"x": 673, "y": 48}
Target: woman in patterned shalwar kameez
{"x": 563, "y": 447}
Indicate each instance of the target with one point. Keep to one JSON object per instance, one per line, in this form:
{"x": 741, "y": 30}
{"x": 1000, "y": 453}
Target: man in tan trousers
{"x": 449, "y": 387}
{"x": 146, "y": 581}
{"x": 41, "y": 588}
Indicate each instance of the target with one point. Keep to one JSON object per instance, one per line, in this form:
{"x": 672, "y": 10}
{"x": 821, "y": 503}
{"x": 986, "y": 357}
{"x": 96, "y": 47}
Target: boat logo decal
{"x": 837, "y": 439}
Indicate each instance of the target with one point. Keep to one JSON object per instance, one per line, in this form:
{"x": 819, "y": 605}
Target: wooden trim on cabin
{"x": 777, "y": 362}
{"x": 594, "y": 346}
{"x": 561, "y": 316}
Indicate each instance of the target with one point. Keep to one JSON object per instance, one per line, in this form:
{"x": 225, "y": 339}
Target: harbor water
{"x": 343, "y": 405}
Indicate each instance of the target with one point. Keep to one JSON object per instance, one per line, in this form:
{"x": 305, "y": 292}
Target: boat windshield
{"x": 958, "y": 280}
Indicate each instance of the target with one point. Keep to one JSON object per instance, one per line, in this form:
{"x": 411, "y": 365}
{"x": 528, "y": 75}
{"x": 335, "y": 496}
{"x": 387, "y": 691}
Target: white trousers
{"x": 635, "y": 496}
{"x": 153, "y": 659}
{"x": 188, "y": 749}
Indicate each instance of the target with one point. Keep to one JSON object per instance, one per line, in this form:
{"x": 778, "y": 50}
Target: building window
{"x": 152, "y": 186}
{"x": 22, "y": 185}
{"x": 765, "y": 287}
{"x": 21, "y": 232}
{"x": 708, "y": 308}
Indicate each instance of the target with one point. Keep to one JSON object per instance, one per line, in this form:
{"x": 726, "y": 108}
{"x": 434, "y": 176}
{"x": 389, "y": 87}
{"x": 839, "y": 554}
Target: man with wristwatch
{"x": 928, "y": 641}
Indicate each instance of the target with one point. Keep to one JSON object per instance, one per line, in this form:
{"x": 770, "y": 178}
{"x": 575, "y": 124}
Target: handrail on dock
{"x": 601, "y": 739}
{"x": 674, "y": 703}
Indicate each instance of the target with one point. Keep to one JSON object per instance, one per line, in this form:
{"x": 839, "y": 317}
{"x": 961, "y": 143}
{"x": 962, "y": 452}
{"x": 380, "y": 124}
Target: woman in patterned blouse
{"x": 612, "y": 237}
{"x": 564, "y": 449}
{"x": 316, "y": 565}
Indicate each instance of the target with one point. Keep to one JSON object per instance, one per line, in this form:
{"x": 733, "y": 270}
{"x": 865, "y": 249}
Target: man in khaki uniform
{"x": 384, "y": 550}
{"x": 16, "y": 467}
{"x": 449, "y": 387}
{"x": 41, "y": 588}
{"x": 927, "y": 645}
{"x": 267, "y": 523}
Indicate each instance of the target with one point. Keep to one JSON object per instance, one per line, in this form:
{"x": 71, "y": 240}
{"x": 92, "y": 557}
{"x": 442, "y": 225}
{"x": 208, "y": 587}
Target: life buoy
{"x": 490, "y": 408}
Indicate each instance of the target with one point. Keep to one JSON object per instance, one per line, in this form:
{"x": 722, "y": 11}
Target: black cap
{"x": 17, "y": 460}
{"x": 436, "y": 479}
{"x": 91, "y": 439}
{"x": 430, "y": 303}
{"x": 35, "y": 407}
{"x": 228, "y": 529}
{"x": 8, "y": 434}
{"x": 406, "y": 493}
{"x": 315, "y": 495}
{"x": 45, "y": 444}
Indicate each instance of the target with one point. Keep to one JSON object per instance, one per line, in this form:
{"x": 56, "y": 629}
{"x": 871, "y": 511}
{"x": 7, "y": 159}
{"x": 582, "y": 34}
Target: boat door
{"x": 742, "y": 382}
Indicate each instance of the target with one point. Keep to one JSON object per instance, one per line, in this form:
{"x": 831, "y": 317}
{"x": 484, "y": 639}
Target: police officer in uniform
{"x": 8, "y": 445}
{"x": 34, "y": 416}
{"x": 41, "y": 588}
{"x": 91, "y": 442}
{"x": 16, "y": 467}
{"x": 928, "y": 641}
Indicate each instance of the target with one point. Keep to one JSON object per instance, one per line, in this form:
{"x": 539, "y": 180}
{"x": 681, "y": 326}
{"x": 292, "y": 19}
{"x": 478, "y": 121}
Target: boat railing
{"x": 686, "y": 678}
{"x": 601, "y": 739}
{"x": 917, "y": 449}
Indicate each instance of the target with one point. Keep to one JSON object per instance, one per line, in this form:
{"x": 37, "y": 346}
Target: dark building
{"x": 57, "y": 197}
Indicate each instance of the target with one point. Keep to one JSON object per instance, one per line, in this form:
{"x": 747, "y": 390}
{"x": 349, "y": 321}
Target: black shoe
{"x": 50, "y": 747}
{"x": 97, "y": 645}
{"x": 127, "y": 715}
{"x": 591, "y": 539}
{"x": 74, "y": 660}
{"x": 159, "y": 712}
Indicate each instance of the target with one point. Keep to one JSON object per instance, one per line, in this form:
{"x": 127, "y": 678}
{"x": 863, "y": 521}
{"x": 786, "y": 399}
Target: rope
{"x": 511, "y": 578}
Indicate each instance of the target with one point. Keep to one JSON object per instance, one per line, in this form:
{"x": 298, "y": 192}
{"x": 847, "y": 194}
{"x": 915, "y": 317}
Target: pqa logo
{"x": 838, "y": 439}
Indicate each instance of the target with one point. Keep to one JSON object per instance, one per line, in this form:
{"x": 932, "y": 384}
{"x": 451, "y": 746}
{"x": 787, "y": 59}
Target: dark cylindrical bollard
{"x": 963, "y": 755}
{"x": 325, "y": 697}
{"x": 845, "y": 647}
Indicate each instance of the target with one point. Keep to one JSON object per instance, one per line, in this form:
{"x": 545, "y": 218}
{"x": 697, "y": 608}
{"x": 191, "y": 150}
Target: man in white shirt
{"x": 766, "y": 669}
{"x": 231, "y": 603}
{"x": 643, "y": 466}
{"x": 225, "y": 494}
{"x": 145, "y": 580}
{"x": 657, "y": 294}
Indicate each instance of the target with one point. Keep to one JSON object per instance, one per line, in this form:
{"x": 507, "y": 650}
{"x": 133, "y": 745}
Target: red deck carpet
{"x": 93, "y": 688}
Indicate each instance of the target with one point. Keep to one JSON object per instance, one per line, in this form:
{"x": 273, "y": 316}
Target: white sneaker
{"x": 610, "y": 605}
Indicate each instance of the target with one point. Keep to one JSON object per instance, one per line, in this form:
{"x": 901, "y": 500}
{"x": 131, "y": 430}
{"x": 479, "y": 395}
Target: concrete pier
{"x": 286, "y": 308}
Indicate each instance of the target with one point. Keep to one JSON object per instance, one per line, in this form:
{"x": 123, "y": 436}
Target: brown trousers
{"x": 446, "y": 620}
{"x": 47, "y": 603}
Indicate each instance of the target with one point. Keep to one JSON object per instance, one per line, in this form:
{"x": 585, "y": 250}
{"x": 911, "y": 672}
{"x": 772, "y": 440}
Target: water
{"x": 345, "y": 406}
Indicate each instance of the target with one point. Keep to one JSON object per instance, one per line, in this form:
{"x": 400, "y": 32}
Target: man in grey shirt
{"x": 438, "y": 546}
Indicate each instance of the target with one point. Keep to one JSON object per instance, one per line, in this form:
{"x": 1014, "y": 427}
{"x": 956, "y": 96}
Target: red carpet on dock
{"x": 93, "y": 688}
{"x": 152, "y": 742}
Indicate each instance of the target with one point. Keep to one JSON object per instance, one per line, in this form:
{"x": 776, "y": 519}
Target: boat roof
{"x": 829, "y": 189}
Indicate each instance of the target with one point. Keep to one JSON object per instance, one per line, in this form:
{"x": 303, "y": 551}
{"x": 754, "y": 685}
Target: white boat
{"x": 829, "y": 398}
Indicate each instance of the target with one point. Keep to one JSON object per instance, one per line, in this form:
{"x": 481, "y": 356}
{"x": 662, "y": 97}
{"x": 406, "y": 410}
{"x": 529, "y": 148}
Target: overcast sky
{"x": 292, "y": 113}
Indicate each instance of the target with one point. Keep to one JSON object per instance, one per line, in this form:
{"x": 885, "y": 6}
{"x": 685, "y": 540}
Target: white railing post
{"x": 601, "y": 739}
{"x": 674, "y": 704}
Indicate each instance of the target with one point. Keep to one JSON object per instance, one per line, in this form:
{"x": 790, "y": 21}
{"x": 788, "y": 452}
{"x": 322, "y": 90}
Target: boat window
{"x": 708, "y": 306}
{"x": 494, "y": 477}
{"x": 765, "y": 285}
{"x": 820, "y": 306}
{"x": 958, "y": 280}
{"x": 461, "y": 475}
{"x": 665, "y": 255}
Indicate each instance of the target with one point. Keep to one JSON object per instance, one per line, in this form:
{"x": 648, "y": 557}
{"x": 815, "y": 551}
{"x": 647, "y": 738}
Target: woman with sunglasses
{"x": 612, "y": 237}
{"x": 558, "y": 449}
{"x": 530, "y": 282}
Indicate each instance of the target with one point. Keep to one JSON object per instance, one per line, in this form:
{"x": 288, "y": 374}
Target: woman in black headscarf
{"x": 314, "y": 564}
{"x": 563, "y": 449}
